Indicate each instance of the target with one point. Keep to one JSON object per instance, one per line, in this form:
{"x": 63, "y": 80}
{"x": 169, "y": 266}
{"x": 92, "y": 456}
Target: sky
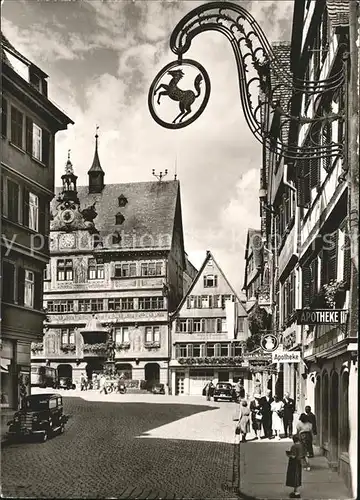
{"x": 101, "y": 58}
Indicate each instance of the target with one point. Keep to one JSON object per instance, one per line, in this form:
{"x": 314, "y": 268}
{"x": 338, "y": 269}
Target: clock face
{"x": 68, "y": 216}
{"x": 67, "y": 241}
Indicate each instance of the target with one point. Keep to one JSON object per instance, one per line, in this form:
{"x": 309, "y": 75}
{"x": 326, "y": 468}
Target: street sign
{"x": 280, "y": 356}
{"x": 269, "y": 342}
{"x": 321, "y": 316}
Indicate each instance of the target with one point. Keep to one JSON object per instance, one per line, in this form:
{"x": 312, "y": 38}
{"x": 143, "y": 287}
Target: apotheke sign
{"x": 321, "y": 316}
{"x": 281, "y": 356}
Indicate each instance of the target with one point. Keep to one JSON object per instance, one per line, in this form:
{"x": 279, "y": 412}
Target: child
{"x": 293, "y": 474}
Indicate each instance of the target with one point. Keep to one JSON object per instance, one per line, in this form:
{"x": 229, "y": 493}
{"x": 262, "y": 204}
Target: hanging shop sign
{"x": 269, "y": 342}
{"x": 321, "y": 316}
{"x": 280, "y": 356}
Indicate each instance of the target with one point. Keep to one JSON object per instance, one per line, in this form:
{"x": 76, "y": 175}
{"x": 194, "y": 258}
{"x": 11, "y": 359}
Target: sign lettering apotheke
{"x": 321, "y": 316}
{"x": 281, "y": 356}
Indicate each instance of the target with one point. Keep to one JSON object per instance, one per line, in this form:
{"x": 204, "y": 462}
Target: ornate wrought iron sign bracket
{"x": 180, "y": 92}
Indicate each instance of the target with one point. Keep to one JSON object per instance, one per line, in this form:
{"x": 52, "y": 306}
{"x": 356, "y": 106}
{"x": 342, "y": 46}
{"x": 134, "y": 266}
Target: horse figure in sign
{"x": 185, "y": 97}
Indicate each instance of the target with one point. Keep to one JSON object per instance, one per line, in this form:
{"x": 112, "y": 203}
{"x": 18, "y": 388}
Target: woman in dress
{"x": 244, "y": 420}
{"x": 304, "y": 431}
{"x": 277, "y": 408}
{"x": 256, "y": 416}
{"x": 293, "y": 473}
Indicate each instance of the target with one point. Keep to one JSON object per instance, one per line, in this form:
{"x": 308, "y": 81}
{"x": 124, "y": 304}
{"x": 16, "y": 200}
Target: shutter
{"x": 303, "y": 184}
{"x": 45, "y": 147}
{"x": 314, "y": 172}
{"x": 314, "y": 277}
{"x": 21, "y": 286}
{"x": 177, "y": 351}
{"x": 347, "y": 261}
{"x": 189, "y": 325}
{"x": 43, "y": 219}
{"x": 29, "y": 135}
{"x": 217, "y": 350}
{"x": 215, "y": 280}
{"x": 332, "y": 257}
{"x": 322, "y": 268}
{"x": 37, "y": 290}
{"x": 189, "y": 350}
{"x": 188, "y": 303}
{"x": 205, "y": 282}
{"x": 7, "y": 293}
{"x": 4, "y": 114}
{"x": 326, "y": 141}
{"x": 202, "y": 351}
{"x": 306, "y": 279}
{"x": 26, "y": 207}
{"x": 210, "y": 301}
{"x": 203, "y": 325}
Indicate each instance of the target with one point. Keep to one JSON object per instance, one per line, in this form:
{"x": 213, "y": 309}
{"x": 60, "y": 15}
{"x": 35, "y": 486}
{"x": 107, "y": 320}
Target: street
{"x": 126, "y": 448}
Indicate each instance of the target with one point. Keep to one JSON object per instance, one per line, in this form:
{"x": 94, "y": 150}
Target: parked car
{"x": 224, "y": 390}
{"x": 65, "y": 383}
{"x": 158, "y": 389}
{"x": 40, "y": 414}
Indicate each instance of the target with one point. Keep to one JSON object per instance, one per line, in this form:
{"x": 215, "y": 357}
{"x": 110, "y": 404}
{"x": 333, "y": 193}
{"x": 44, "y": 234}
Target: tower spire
{"x": 69, "y": 179}
{"x": 96, "y": 173}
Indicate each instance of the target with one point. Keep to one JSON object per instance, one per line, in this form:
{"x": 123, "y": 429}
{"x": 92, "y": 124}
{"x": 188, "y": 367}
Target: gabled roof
{"x": 149, "y": 215}
{"x": 9, "y": 46}
{"x": 197, "y": 277}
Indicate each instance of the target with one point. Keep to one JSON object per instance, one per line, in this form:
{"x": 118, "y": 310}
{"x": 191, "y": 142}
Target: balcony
{"x": 152, "y": 345}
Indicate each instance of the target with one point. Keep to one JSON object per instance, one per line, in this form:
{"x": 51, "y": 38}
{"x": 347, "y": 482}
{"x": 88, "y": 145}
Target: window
{"x": 12, "y": 201}
{"x": 67, "y": 336}
{"x": 204, "y": 301}
{"x": 146, "y": 303}
{"x": 91, "y": 305}
{"x": 17, "y": 119}
{"x": 210, "y": 281}
{"x": 47, "y": 273}
{"x": 289, "y": 296}
{"x": 122, "y": 200}
{"x": 119, "y": 219}
{"x": 329, "y": 261}
{"x": 35, "y": 80}
{"x": 37, "y": 142}
{"x": 223, "y": 325}
{"x": 210, "y": 325}
{"x": 240, "y": 326}
{"x": 237, "y": 349}
{"x": 122, "y": 270}
{"x": 121, "y": 304}
{"x": 181, "y": 325}
{"x": 180, "y": 351}
{"x": 152, "y": 334}
{"x": 96, "y": 269}
{"x": 197, "y": 325}
{"x": 196, "y": 350}
{"x": 225, "y": 298}
{"x": 8, "y": 281}
{"x": 151, "y": 269}
{"x": 210, "y": 350}
{"x": 29, "y": 288}
{"x": 60, "y": 306}
{"x": 31, "y": 210}
{"x": 224, "y": 350}
{"x": 4, "y": 115}
{"x": 64, "y": 270}
{"x": 122, "y": 335}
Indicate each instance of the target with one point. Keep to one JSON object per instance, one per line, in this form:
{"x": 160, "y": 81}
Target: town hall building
{"x": 116, "y": 272}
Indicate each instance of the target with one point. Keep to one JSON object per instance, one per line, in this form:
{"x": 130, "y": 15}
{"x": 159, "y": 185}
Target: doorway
{"x": 152, "y": 373}
{"x": 65, "y": 371}
{"x": 179, "y": 383}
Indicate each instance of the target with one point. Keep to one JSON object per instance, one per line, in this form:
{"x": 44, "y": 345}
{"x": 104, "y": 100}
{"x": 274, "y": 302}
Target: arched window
{"x": 325, "y": 409}
{"x": 344, "y": 408}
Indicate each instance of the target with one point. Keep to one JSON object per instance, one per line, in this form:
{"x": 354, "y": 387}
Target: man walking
{"x": 288, "y": 409}
{"x": 208, "y": 390}
{"x": 265, "y": 408}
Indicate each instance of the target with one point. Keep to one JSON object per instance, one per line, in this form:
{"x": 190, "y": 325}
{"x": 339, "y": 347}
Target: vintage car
{"x": 65, "y": 383}
{"x": 224, "y": 390}
{"x": 158, "y": 389}
{"x": 40, "y": 414}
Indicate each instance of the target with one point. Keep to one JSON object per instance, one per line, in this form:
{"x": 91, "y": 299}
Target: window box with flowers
{"x": 120, "y": 346}
{"x": 213, "y": 360}
{"x": 334, "y": 293}
{"x": 68, "y": 348}
{"x": 37, "y": 347}
{"x": 152, "y": 345}
{"x": 96, "y": 348}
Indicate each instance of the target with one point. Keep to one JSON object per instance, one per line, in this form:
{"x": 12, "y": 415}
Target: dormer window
{"x": 119, "y": 219}
{"x": 122, "y": 201}
{"x": 35, "y": 80}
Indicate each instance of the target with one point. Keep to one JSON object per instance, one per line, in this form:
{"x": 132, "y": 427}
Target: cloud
{"x": 218, "y": 160}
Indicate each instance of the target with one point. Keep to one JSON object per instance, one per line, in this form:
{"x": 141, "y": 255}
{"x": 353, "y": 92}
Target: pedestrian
{"x": 293, "y": 473}
{"x": 277, "y": 408}
{"x": 208, "y": 390}
{"x": 311, "y": 417}
{"x": 103, "y": 384}
{"x": 256, "y": 416}
{"x": 304, "y": 431}
{"x": 239, "y": 391}
{"x": 82, "y": 382}
{"x": 289, "y": 410}
{"x": 265, "y": 407}
{"x": 243, "y": 425}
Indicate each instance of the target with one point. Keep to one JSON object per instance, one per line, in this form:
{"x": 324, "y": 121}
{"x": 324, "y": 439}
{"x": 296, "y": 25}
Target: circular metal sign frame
{"x": 156, "y": 82}
{"x": 263, "y": 342}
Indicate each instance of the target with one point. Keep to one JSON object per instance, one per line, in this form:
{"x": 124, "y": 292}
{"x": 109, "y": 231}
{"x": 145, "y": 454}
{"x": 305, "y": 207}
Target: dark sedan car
{"x": 40, "y": 414}
{"x": 224, "y": 390}
{"x": 158, "y": 389}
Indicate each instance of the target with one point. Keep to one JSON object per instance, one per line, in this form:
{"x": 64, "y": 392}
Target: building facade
{"x": 209, "y": 330}
{"x": 305, "y": 221}
{"x": 29, "y": 122}
{"x": 116, "y": 272}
